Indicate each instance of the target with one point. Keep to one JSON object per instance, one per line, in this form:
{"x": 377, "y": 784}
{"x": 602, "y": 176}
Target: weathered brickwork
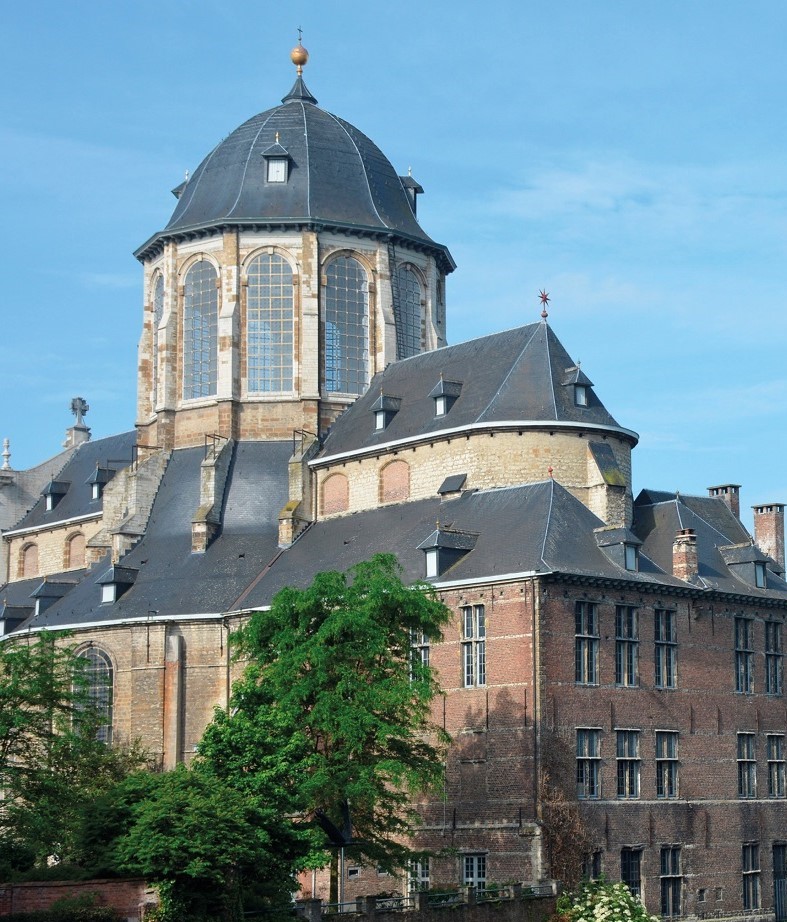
{"x": 128, "y": 897}
{"x": 491, "y": 459}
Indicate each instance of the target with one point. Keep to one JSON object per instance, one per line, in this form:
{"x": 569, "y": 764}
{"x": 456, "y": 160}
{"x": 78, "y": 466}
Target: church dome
{"x": 327, "y": 173}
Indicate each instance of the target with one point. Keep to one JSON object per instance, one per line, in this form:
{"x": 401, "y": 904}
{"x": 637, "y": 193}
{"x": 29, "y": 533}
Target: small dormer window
{"x": 432, "y": 562}
{"x": 115, "y": 582}
{"x": 631, "y": 556}
{"x": 445, "y": 395}
{"x": 385, "y": 408}
{"x": 581, "y": 395}
{"x": 440, "y": 406}
{"x": 759, "y": 574}
{"x": 108, "y": 593}
{"x": 277, "y": 169}
{"x": 379, "y": 420}
{"x": 53, "y": 492}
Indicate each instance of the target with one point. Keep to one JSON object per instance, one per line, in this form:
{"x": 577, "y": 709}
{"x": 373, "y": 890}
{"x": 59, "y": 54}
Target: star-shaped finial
{"x": 544, "y": 298}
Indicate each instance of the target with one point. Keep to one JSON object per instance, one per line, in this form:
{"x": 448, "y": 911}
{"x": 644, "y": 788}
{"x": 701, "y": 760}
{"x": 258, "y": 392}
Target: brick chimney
{"x": 684, "y": 554}
{"x": 730, "y": 493}
{"x": 769, "y": 530}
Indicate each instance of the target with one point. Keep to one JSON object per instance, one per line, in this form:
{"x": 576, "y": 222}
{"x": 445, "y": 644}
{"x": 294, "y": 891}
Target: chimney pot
{"x": 769, "y": 530}
{"x": 730, "y": 494}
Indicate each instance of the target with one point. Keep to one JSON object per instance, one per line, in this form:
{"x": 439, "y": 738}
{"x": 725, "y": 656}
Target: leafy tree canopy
{"x": 334, "y": 710}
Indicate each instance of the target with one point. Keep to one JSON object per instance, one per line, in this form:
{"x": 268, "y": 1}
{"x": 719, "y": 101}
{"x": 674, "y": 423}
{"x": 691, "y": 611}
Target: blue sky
{"x": 628, "y": 157}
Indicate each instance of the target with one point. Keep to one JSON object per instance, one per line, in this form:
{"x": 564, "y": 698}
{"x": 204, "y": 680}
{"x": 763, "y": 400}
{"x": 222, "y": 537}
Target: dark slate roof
{"x": 511, "y": 376}
{"x": 114, "y": 452}
{"x": 337, "y": 177}
{"x": 536, "y": 527}
{"x": 658, "y": 516}
{"x": 171, "y": 579}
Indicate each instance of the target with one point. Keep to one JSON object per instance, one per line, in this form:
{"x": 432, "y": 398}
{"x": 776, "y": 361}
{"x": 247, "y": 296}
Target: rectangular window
{"x": 751, "y": 876}
{"x": 628, "y": 763}
{"x": 277, "y": 170}
{"x": 419, "y": 650}
{"x": 774, "y": 659}
{"x": 776, "y": 765}
{"x": 671, "y": 880}
{"x": 666, "y": 659}
{"x": 626, "y": 645}
{"x": 630, "y": 869}
{"x": 586, "y": 643}
{"x": 473, "y": 645}
{"x": 474, "y": 871}
{"x": 666, "y": 764}
{"x": 588, "y": 764}
{"x": 744, "y": 656}
{"x": 418, "y": 875}
{"x": 747, "y": 766}
{"x": 591, "y": 866}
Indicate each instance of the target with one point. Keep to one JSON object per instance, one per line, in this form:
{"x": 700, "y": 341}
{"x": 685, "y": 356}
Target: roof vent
{"x": 452, "y": 485}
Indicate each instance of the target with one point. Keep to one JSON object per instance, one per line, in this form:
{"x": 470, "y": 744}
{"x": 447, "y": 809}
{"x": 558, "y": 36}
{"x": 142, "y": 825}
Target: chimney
{"x": 684, "y": 554}
{"x": 769, "y": 530}
{"x": 730, "y": 493}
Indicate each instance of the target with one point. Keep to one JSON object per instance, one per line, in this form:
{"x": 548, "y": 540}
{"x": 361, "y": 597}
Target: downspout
{"x": 536, "y": 612}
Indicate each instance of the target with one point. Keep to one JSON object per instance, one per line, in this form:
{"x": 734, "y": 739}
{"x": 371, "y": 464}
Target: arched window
{"x": 28, "y": 560}
{"x": 395, "y": 482}
{"x": 335, "y": 494}
{"x": 158, "y": 313}
{"x": 346, "y": 327}
{"x": 408, "y": 313}
{"x": 200, "y": 331}
{"x": 99, "y": 675}
{"x": 269, "y": 309}
{"x": 75, "y": 551}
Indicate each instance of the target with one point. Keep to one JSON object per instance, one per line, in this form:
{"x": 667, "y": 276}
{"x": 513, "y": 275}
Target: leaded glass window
{"x": 200, "y": 331}
{"x": 269, "y": 325}
{"x": 346, "y": 334}
{"x": 408, "y": 313}
{"x": 158, "y": 313}
{"x": 98, "y": 675}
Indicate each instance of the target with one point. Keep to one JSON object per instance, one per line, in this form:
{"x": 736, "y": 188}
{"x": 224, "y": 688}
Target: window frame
{"x": 667, "y": 764}
{"x": 100, "y": 692}
{"x": 588, "y": 757}
{"x": 744, "y": 655}
{"x": 473, "y": 624}
{"x": 627, "y": 646}
{"x": 670, "y": 880}
{"x": 750, "y": 865}
{"x": 200, "y": 352}
{"x": 345, "y": 343}
{"x": 269, "y": 319}
{"x": 746, "y": 752}
{"x": 631, "y": 869}
{"x": 628, "y": 763}
{"x": 474, "y": 870}
{"x": 665, "y": 631}
{"x": 587, "y": 640}
{"x": 774, "y": 658}
{"x": 777, "y": 789}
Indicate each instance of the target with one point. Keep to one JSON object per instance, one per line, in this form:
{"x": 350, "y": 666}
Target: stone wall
{"x": 128, "y": 897}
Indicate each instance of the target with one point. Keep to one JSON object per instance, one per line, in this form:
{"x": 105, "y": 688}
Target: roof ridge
{"x": 248, "y": 160}
{"x": 508, "y": 375}
{"x": 342, "y": 125}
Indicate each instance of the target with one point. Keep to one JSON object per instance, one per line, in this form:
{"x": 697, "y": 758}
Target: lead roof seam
{"x": 308, "y": 163}
{"x": 204, "y": 165}
{"x": 547, "y": 523}
{"x": 549, "y": 365}
{"x": 246, "y": 165}
{"x": 363, "y": 167}
{"x": 510, "y": 372}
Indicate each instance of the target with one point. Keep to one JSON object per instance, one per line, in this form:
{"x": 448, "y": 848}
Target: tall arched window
{"x": 28, "y": 560}
{"x": 408, "y": 313}
{"x": 75, "y": 551}
{"x": 99, "y": 676}
{"x": 346, "y": 335}
{"x": 200, "y": 331}
{"x": 269, "y": 324}
{"x": 158, "y": 313}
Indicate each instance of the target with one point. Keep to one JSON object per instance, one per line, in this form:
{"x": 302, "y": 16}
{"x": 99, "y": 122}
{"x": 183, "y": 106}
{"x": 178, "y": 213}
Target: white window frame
{"x": 473, "y": 645}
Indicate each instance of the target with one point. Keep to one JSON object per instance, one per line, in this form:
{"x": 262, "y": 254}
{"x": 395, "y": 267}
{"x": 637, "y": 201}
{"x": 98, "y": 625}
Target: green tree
{"x": 333, "y": 713}
{"x": 51, "y": 764}
{"x": 195, "y": 836}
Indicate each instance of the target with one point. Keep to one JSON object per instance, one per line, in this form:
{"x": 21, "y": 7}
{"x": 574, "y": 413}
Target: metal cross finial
{"x": 79, "y": 407}
{"x": 300, "y": 35}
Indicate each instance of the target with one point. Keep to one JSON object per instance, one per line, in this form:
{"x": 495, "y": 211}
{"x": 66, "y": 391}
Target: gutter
{"x": 48, "y": 526}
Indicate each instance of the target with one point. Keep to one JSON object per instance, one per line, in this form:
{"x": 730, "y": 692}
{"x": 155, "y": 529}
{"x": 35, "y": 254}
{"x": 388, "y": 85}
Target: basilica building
{"x": 299, "y": 410}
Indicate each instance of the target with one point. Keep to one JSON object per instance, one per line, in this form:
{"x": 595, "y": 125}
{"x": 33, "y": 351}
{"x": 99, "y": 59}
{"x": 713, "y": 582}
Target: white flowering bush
{"x": 602, "y": 901}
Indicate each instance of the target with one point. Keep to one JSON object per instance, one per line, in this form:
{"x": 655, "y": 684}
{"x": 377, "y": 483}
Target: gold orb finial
{"x": 299, "y": 55}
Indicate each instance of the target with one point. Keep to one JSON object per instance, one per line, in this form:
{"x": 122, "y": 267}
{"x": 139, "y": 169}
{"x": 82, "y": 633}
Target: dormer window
{"x": 581, "y": 395}
{"x": 385, "y": 408}
{"x": 445, "y": 547}
{"x": 620, "y": 545}
{"x": 445, "y": 394}
{"x": 759, "y": 574}
{"x": 277, "y": 162}
{"x": 53, "y": 492}
{"x": 115, "y": 582}
{"x": 98, "y": 480}
{"x": 575, "y": 378}
{"x": 631, "y": 553}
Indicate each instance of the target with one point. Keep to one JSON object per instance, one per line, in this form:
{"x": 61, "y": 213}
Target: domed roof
{"x": 336, "y": 177}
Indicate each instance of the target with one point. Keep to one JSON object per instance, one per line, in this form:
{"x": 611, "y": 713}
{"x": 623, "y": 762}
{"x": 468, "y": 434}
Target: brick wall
{"x": 126, "y": 896}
